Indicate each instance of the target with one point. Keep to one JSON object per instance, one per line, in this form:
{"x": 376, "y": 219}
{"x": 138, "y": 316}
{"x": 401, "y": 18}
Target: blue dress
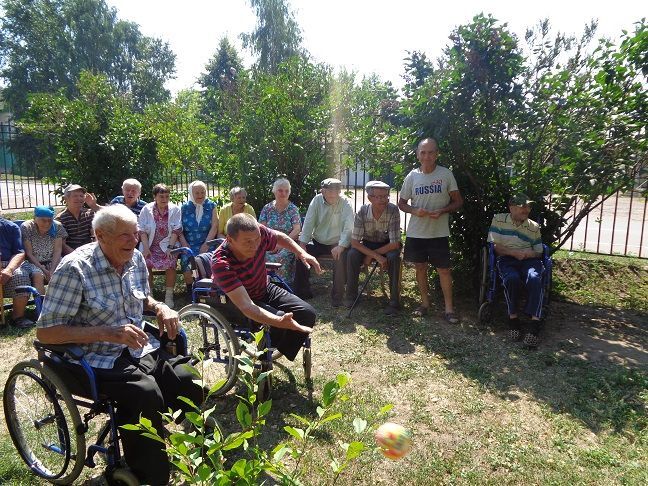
{"x": 195, "y": 232}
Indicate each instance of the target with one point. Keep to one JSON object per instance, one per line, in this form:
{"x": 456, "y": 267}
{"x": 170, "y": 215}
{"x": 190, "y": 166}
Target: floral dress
{"x": 281, "y": 221}
{"x": 195, "y": 232}
{"x": 158, "y": 259}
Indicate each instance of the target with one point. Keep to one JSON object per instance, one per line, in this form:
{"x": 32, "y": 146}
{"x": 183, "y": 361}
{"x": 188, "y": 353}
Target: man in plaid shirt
{"x": 96, "y": 299}
{"x": 376, "y": 236}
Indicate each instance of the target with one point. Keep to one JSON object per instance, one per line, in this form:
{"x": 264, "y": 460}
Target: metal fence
{"x": 617, "y": 226}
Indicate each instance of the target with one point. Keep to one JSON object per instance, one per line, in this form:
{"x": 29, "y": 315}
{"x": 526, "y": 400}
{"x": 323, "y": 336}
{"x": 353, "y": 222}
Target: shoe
{"x": 23, "y": 323}
{"x": 390, "y": 310}
{"x": 451, "y": 317}
{"x": 420, "y": 311}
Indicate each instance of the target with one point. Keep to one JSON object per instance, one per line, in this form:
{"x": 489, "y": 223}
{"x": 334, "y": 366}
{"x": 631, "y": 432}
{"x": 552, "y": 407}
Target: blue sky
{"x": 362, "y": 35}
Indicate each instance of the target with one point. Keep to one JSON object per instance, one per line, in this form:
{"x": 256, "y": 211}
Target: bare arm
{"x": 130, "y": 335}
{"x": 56, "y": 255}
{"x": 406, "y": 208}
{"x": 11, "y": 267}
{"x": 213, "y": 231}
{"x": 296, "y": 229}
{"x": 241, "y": 299}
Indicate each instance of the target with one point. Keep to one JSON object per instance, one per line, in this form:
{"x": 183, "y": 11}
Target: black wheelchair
{"x": 216, "y": 330}
{"x": 43, "y": 410}
{"x": 490, "y": 282}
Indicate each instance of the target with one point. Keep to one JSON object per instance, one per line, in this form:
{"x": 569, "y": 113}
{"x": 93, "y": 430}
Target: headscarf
{"x": 199, "y": 207}
{"x": 46, "y": 212}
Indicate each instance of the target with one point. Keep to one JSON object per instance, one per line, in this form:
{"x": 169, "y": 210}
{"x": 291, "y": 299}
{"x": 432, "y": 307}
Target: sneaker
{"x": 23, "y": 323}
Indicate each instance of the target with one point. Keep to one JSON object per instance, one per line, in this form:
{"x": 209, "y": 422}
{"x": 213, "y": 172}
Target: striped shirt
{"x": 368, "y": 228}
{"x": 136, "y": 209}
{"x": 504, "y": 232}
{"x": 87, "y": 291}
{"x": 229, "y": 273}
{"x": 79, "y": 230}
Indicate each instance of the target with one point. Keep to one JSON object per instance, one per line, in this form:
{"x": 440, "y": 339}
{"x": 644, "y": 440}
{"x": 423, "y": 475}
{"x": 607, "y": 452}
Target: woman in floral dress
{"x": 160, "y": 227}
{"x": 199, "y": 224}
{"x": 282, "y": 215}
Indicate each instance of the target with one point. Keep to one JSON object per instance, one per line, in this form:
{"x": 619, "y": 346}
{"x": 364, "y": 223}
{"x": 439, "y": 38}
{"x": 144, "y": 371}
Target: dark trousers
{"x": 354, "y": 262}
{"x": 148, "y": 386}
{"x": 279, "y": 301}
{"x": 516, "y": 273}
{"x": 302, "y": 274}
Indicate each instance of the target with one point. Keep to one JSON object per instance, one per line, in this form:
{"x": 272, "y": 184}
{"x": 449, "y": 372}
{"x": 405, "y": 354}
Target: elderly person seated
{"x": 238, "y": 195}
{"x": 96, "y": 299}
{"x": 282, "y": 215}
{"x": 77, "y": 219}
{"x": 42, "y": 239}
{"x": 14, "y": 273}
{"x": 518, "y": 245}
{"x": 131, "y": 190}
{"x": 376, "y": 236}
{"x": 199, "y": 224}
{"x": 160, "y": 224}
{"x": 326, "y": 231}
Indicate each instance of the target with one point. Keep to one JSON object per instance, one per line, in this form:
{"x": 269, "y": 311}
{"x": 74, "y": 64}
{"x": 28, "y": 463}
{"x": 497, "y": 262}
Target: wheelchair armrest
{"x": 74, "y": 351}
{"x": 27, "y": 289}
{"x": 273, "y": 265}
{"x": 214, "y": 241}
{"x": 183, "y": 250}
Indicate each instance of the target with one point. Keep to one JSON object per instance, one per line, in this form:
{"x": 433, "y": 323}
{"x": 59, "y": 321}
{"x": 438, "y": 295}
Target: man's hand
{"x": 91, "y": 201}
{"x": 167, "y": 320}
{"x": 5, "y": 275}
{"x": 311, "y": 262}
{"x": 287, "y": 322}
{"x": 435, "y": 214}
{"x": 130, "y": 335}
{"x": 336, "y": 252}
{"x": 382, "y": 261}
{"x": 420, "y": 212}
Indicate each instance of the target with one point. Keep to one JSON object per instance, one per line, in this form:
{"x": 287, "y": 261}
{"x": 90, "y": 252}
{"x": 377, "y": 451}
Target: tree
{"x": 276, "y": 37}
{"x": 97, "y": 137}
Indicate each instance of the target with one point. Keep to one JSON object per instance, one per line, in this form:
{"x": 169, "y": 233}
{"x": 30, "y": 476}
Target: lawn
{"x": 482, "y": 410}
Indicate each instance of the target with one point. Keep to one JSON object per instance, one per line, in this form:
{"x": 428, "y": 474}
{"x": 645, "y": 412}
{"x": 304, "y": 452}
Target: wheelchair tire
{"x": 44, "y": 423}
{"x": 121, "y": 477}
{"x": 209, "y": 333}
{"x": 483, "y": 280}
{"x": 308, "y": 363}
{"x": 485, "y": 314}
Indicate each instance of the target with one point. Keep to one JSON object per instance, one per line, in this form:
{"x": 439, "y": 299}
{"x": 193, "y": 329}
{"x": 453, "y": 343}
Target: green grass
{"x": 482, "y": 410}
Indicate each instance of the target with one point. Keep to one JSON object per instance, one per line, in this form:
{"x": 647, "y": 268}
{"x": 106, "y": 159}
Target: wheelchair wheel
{"x": 210, "y": 334}
{"x": 308, "y": 363}
{"x": 44, "y": 423}
{"x": 483, "y": 281}
{"x": 485, "y": 314}
{"x": 121, "y": 477}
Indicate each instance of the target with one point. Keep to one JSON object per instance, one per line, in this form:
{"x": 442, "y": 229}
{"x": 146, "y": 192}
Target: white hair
{"x": 108, "y": 217}
{"x": 132, "y": 182}
{"x": 236, "y": 190}
{"x": 281, "y": 182}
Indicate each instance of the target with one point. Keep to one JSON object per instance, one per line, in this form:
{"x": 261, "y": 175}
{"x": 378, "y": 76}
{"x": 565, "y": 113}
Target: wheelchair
{"x": 216, "y": 329}
{"x": 490, "y": 283}
{"x": 49, "y": 413}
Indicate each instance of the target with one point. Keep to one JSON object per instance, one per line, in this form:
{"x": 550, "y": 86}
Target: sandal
{"x": 451, "y": 317}
{"x": 420, "y": 311}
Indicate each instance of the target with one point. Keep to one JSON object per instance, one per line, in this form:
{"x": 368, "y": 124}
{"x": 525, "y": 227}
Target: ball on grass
{"x": 394, "y": 440}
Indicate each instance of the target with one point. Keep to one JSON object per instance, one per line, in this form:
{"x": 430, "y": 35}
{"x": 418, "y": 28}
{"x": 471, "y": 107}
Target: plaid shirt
{"x": 85, "y": 290}
{"x": 387, "y": 227}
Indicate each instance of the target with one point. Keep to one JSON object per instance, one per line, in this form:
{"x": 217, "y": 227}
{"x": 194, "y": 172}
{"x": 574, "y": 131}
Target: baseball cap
{"x": 73, "y": 187}
{"x": 520, "y": 199}
{"x": 331, "y": 183}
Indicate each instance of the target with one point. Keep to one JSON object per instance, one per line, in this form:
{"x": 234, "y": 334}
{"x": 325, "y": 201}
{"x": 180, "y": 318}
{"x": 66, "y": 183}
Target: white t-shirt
{"x": 429, "y": 191}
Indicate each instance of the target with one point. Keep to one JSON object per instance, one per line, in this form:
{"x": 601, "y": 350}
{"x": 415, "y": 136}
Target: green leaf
{"x": 385, "y": 409}
{"x": 295, "y": 432}
{"x": 354, "y": 450}
{"x": 239, "y": 468}
{"x": 243, "y": 414}
{"x": 264, "y": 408}
{"x": 335, "y": 416}
{"x": 217, "y": 386}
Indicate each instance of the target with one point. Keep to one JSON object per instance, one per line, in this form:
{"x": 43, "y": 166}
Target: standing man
{"x": 518, "y": 246}
{"x": 434, "y": 194}
{"x": 326, "y": 231}
{"x": 376, "y": 236}
{"x": 76, "y": 219}
{"x": 131, "y": 190}
{"x": 96, "y": 299}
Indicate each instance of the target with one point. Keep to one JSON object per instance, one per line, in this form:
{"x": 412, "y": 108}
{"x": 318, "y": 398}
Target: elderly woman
{"x": 282, "y": 215}
{"x": 199, "y": 224}
{"x": 238, "y": 195}
{"x": 160, "y": 226}
{"x": 42, "y": 239}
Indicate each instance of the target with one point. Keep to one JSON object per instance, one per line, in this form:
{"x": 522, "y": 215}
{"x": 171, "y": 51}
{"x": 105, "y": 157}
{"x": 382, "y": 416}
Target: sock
{"x": 169, "y": 292}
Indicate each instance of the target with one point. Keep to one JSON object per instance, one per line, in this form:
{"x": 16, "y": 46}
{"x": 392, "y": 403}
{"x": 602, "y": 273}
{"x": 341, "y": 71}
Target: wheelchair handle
{"x": 184, "y": 250}
{"x": 212, "y": 242}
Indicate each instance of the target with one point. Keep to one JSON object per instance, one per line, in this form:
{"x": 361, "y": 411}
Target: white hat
{"x": 376, "y": 185}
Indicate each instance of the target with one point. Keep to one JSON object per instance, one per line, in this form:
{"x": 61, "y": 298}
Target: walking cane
{"x": 364, "y": 286}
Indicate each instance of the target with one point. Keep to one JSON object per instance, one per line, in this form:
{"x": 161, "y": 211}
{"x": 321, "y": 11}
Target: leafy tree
{"x": 98, "y": 138}
{"x": 276, "y": 37}
{"x": 221, "y": 80}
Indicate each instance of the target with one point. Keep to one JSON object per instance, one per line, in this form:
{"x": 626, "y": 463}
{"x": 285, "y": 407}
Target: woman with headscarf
{"x": 199, "y": 224}
{"x": 43, "y": 243}
{"x": 160, "y": 226}
{"x": 282, "y": 215}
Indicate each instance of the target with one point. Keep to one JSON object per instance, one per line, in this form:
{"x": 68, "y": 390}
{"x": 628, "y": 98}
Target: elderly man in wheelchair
{"x": 96, "y": 300}
{"x": 518, "y": 246}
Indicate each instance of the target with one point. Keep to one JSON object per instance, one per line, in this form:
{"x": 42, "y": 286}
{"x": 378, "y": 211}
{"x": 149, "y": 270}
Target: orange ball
{"x": 394, "y": 440}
